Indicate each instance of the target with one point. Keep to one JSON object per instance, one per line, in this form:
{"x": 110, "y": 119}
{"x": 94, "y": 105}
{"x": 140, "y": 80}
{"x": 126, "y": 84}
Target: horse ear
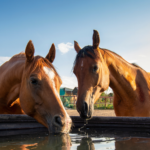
{"x": 76, "y": 46}
{"x": 96, "y": 39}
{"x": 51, "y": 54}
{"x": 29, "y": 51}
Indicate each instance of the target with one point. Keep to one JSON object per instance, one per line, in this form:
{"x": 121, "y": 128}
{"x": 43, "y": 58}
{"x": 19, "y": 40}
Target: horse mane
{"x": 20, "y": 55}
{"x": 37, "y": 62}
{"x": 133, "y": 64}
{"x": 136, "y": 65}
{"x": 94, "y": 54}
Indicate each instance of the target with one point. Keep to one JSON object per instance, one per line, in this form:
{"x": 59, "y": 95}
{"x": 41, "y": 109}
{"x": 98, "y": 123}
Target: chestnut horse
{"x": 96, "y": 69}
{"x": 36, "y": 83}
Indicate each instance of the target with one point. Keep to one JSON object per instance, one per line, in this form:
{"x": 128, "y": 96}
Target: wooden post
{"x": 74, "y": 102}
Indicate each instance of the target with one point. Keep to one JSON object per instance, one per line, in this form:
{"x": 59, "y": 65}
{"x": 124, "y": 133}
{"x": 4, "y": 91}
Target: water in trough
{"x": 83, "y": 139}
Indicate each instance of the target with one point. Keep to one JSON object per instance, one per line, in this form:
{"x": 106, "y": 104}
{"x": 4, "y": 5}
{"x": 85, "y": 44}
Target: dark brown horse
{"x": 96, "y": 69}
{"x": 36, "y": 83}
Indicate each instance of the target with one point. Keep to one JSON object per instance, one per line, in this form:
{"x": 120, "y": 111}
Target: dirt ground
{"x": 96, "y": 112}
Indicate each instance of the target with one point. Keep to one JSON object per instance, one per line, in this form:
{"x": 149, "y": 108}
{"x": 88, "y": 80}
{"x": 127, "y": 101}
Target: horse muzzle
{"x": 60, "y": 125}
{"x": 86, "y": 111}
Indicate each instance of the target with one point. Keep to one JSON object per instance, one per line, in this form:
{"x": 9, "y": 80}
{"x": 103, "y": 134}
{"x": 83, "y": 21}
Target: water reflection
{"x": 76, "y": 141}
{"x": 86, "y": 144}
{"x": 58, "y": 142}
{"x": 125, "y": 143}
{"x": 51, "y": 142}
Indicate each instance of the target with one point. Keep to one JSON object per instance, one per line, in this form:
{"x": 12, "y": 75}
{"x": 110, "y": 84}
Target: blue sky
{"x": 124, "y": 27}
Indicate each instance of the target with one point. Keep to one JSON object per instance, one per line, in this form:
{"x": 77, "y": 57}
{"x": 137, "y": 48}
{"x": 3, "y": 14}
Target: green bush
{"x": 110, "y": 106}
{"x": 71, "y": 106}
{"x": 102, "y": 106}
{"x": 65, "y": 102}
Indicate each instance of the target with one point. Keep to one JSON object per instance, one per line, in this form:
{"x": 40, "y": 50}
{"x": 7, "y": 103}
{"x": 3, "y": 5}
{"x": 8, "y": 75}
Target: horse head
{"x": 92, "y": 74}
{"x": 39, "y": 93}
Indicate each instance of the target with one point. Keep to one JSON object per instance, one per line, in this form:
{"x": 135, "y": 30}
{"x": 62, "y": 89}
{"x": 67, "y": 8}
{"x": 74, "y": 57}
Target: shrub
{"x": 110, "y": 106}
{"x": 71, "y": 106}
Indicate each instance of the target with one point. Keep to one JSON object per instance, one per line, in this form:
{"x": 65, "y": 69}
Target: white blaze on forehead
{"x": 51, "y": 74}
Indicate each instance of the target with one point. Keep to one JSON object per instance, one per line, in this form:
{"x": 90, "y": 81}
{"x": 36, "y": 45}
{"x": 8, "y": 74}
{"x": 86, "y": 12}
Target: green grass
{"x": 66, "y": 103}
{"x": 102, "y": 106}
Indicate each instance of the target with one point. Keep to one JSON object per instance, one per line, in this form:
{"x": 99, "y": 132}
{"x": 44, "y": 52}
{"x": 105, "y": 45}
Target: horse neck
{"x": 122, "y": 73}
{"x": 10, "y": 78}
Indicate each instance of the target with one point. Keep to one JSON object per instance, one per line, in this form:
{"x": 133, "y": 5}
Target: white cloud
{"x": 69, "y": 82}
{"x": 64, "y": 48}
{"x": 3, "y": 59}
{"x": 142, "y": 55}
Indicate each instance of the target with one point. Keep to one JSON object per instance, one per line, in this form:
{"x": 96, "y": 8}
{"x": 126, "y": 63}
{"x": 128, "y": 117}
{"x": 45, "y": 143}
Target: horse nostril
{"x": 58, "y": 120}
{"x": 85, "y": 108}
{"x": 85, "y": 113}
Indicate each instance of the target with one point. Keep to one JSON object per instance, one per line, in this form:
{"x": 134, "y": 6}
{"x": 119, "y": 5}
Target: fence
{"x": 104, "y": 102}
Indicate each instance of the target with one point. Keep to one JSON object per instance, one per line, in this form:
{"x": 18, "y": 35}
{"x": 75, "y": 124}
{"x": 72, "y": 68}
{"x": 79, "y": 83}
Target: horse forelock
{"x": 86, "y": 51}
{"x": 39, "y": 62}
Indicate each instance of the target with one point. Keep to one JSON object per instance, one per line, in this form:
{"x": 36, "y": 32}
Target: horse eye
{"x": 95, "y": 68}
{"x": 34, "y": 81}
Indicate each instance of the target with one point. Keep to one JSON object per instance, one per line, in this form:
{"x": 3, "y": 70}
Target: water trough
{"x": 23, "y": 124}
